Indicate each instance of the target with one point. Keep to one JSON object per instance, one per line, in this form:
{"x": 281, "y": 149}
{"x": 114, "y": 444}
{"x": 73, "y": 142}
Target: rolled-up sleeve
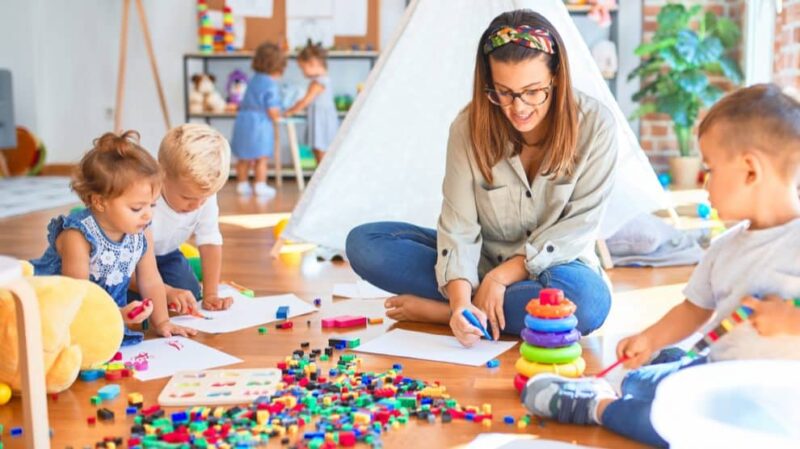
{"x": 576, "y": 227}
{"x": 459, "y": 233}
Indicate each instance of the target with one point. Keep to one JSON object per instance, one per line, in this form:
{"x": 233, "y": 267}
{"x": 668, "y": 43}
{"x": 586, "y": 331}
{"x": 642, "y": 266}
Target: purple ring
{"x": 550, "y": 339}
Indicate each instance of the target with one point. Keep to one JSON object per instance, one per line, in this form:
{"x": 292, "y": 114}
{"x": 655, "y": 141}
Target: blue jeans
{"x": 630, "y": 414}
{"x": 176, "y": 272}
{"x": 400, "y": 258}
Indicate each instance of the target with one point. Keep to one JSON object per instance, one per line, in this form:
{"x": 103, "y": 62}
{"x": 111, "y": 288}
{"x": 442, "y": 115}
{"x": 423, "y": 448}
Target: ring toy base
{"x": 530, "y": 369}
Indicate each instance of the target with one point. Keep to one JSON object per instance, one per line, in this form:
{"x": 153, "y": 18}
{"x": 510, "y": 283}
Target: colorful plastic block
{"x": 131, "y": 410}
{"x": 91, "y": 420}
{"x": 377, "y": 320}
{"x": 344, "y": 321}
{"x": 16, "y": 431}
{"x": 286, "y": 325}
{"x": 262, "y": 330}
{"x": 282, "y": 313}
{"x": 135, "y": 399}
{"x": 494, "y": 363}
{"x": 105, "y": 414}
{"x": 91, "y": 375}
{"x": 317, "y": 302}
{"x": 108, "y": 392}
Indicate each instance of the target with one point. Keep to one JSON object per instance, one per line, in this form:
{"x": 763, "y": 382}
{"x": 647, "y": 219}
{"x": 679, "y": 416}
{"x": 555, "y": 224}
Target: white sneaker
{"x": 243, "y": 188}
{"x": 262, "y": 189}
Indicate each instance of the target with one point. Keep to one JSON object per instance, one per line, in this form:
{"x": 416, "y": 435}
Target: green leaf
{"x": 728, "y": 32}
{"x": 672, "y": 59}
{"x": 693, "y": 82}
{"x": 710, "y": 95}
{"x": 648, "y": 48}
{"x": 730, "y": 69}
{"x": 687, "y": 46}
{"x": 642, "y": 110}
{"x": 710, "y": 22}
{"x": 672, "y": 18}
{"x": 647, "y": 89}
{"x": 709, "y": 51}
{"x": 647, "y": 67}
{"x": 676, "y": 107}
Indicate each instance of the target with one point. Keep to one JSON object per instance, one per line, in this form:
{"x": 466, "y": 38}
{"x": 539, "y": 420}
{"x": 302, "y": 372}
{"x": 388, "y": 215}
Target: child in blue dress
{"x": 255, "y": 132}
{"x": 323, "y": 121}
{"x": 107, "y": 242}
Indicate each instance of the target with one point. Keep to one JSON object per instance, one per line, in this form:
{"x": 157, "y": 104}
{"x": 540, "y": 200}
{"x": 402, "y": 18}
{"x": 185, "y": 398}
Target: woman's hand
{"x": 637, "y": 348}
{"x": 167, "y": 329}
{"x": 465, "y": 333}
{"x": 136, "y": 312}
{"x": 489, "y": 298}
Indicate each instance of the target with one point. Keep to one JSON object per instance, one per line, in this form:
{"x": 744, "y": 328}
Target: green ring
{"x": 537, "y": 354}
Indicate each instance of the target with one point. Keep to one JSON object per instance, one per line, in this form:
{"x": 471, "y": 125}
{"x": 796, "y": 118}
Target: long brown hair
{"x": 490, "y": 130}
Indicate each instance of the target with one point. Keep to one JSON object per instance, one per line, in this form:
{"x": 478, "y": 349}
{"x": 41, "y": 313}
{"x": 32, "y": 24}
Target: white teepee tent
{"x": 387, "y": 161}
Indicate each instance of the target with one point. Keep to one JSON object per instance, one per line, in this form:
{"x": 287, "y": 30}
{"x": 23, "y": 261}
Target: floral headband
{"x": 524, "y": 36}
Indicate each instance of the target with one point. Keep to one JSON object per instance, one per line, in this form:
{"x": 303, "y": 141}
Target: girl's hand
{"x": 136, "y": 312}
{"x": 167, "y": 329}
{"x": 465, "y": 333}
{"x": 637, "y": 348}
{"x": 180, "y": 301}
{"x": 489, "y": 298}
{"x": 214, "y": 302}
{"x": 773, "y": 315}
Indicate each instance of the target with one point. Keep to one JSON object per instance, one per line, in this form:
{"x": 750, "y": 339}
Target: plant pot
{"x": 684, "y": 171}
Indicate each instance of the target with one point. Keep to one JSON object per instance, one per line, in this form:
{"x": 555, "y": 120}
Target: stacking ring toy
{"x": 530, "y": 369}
{"x": 550, "y": 339}
{"x": 551, "y": 325}
{"x": 550, "y": 355}
{"x": 550, "y": 306}
{"x": 519, "y": 382}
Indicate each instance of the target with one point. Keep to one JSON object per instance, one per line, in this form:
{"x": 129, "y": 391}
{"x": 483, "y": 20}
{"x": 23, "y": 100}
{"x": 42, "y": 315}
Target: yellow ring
{"x": 530, "y": 369}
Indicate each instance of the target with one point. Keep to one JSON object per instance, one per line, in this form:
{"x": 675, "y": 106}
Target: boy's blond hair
{"x": 198, "y": 153}
{"x": 760, "y": 117}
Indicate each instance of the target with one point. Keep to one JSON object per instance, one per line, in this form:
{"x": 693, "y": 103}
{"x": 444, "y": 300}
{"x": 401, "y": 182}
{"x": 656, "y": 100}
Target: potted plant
{"x": 675, "y": 68}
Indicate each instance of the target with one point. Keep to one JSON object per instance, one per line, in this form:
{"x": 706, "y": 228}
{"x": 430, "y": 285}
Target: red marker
{"x": 139, "y": 309}
{"x": 614, "y": 365}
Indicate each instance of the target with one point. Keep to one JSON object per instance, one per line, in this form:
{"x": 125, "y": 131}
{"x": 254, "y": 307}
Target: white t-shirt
{"x": 739, "y": 263}
{"x": 171, "y": 229}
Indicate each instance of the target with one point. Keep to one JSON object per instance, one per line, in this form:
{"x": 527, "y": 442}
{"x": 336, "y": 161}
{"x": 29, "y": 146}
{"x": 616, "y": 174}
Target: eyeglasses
{"x": 531, "y": 97}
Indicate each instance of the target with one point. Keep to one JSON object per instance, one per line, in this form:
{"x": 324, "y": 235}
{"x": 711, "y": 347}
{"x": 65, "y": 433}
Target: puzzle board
{"x": 219, "y": 387}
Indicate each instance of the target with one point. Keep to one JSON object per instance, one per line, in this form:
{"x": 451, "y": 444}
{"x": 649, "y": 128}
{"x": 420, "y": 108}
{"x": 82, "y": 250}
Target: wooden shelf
{"x": 210, "y": 115}
{"x": 334, "y": 54}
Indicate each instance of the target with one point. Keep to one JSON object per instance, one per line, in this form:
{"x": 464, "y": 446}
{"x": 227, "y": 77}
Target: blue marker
{"x": 473, "y": 320}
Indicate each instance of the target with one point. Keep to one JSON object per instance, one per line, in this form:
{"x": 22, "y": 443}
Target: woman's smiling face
{"x": 530, "y": 78}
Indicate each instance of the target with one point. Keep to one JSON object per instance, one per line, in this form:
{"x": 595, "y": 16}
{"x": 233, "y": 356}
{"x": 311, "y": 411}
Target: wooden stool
{"x": 31, "y": 360}
{"x": 294, "y": 149}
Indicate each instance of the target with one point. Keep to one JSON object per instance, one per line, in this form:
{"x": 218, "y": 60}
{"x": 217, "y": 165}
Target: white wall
{"x": 63, "y": 57}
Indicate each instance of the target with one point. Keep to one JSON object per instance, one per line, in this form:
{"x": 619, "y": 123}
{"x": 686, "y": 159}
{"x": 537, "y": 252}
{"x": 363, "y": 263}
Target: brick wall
{"x": 656, "y": 136}
{"x": 787, "y": 45}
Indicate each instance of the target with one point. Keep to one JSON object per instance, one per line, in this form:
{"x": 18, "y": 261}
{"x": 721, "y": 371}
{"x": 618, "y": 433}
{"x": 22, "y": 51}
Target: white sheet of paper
{"x": 318, "y": 29}
{"x": 167, "y": 356}
{"x": 439, "y": 348}
{"x": 517, "y": 441}
{"x": 361, "y": 289}
{"x": 251, "y": 8}
{"x": 244, "y": 312}
{"x": 350, "y": 17}
{"x": 308, "y": 8}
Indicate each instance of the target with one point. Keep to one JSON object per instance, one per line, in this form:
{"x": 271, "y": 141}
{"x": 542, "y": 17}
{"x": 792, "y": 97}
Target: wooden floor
{"x": 248, "y": 238}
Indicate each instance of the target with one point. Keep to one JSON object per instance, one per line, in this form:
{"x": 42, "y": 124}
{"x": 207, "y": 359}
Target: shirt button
{"x": 499, "y": 258}
{"x": 444, "y": 252}
{"x": 528, "y": 193}
{"x": 528, "y": 233}
{"x": 550, "y": 248}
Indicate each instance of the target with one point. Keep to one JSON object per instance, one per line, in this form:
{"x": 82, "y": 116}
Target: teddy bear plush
{"x": 81, "y": 329}
{"x": 204, "y": 96}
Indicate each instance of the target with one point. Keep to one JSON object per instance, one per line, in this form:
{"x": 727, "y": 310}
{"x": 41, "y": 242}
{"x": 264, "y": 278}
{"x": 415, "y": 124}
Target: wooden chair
{"x": 36, "y": 433}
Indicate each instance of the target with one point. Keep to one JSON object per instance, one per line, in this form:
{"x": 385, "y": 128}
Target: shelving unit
{"x": 206, "y": 59}
{"x": 583, "y": 10}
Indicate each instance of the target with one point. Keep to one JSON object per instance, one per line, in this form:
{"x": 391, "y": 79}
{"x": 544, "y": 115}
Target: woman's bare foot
{"x": 414, "y": 308}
